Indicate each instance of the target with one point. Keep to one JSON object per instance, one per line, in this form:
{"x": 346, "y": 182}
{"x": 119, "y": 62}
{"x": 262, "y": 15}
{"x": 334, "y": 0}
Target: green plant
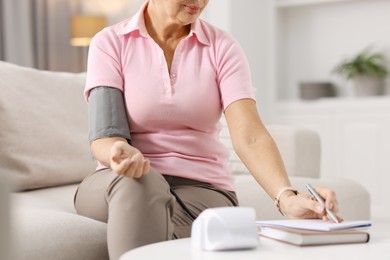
{"x": 365, "y": 63}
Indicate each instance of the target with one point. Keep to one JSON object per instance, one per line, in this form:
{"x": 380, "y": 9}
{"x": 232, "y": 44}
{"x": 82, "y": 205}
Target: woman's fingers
{"x": 145, "y": 167}
{"x": 121, "y": 167}
{"x": 306, "y": 206}
{"x": 128, "y": 161}
{"x": 331, "y": 202}
{"x": 138, "y": 167}
{"x": 116, "y": 153}
{"x": 329, "y": 197}
{"x": 315, "y": 206}
{"x": 133, "y": 169}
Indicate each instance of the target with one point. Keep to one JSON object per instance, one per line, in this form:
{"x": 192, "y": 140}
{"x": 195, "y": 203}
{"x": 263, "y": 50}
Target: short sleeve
{"x": 233, "y": 75}
{"x": 104, "y": 62}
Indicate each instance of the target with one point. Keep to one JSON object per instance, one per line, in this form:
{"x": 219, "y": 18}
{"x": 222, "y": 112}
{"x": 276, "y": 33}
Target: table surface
{"x": 377, "y": 248}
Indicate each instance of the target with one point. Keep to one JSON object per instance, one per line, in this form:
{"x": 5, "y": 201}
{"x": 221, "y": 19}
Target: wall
{"x": 247, "y": 20}
{"x": 218, "y": 13}
{"x": 314, "y": 38}
{"x": 249, "y": 27}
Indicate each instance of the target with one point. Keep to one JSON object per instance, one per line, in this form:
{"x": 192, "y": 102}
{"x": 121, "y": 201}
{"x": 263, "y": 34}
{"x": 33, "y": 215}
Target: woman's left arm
{"x": 257, "y": 150}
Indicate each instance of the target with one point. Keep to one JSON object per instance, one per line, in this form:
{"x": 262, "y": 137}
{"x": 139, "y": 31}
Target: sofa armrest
{"x": 300, "y": 149}
{"x": 354, "y": 199}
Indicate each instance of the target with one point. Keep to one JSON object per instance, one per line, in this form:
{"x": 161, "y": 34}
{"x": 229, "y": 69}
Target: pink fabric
{"x": 174, "y": 116}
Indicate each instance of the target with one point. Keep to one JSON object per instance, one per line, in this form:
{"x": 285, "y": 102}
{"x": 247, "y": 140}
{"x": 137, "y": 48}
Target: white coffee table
{"x": 377, "y": 248}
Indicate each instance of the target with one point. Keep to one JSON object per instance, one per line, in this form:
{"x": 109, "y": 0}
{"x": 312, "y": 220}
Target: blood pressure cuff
{"x": 107, "y": 115}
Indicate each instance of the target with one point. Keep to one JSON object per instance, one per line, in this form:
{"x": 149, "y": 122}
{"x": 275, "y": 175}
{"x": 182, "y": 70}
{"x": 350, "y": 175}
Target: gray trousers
{"x": 145, "y": 210}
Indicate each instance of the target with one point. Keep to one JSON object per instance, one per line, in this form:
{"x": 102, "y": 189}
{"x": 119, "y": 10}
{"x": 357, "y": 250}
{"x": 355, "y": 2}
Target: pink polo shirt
{"x": 174, "y": 116}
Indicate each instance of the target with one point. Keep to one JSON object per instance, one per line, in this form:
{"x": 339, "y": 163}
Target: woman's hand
{"x": 304, "y": 205}
{"x": 127, "y": 160}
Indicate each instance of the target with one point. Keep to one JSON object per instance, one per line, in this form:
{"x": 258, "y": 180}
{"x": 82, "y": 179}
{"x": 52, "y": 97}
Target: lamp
{"x": 84, "y": 27}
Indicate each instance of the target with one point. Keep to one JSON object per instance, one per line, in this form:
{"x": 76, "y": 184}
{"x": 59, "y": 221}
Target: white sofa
{"x": 44, "y": 154}
{"x": 4, "y": 222}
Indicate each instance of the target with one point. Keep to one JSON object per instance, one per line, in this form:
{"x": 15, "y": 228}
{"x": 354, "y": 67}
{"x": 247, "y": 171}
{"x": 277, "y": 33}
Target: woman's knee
{"x": 147, "y": 190}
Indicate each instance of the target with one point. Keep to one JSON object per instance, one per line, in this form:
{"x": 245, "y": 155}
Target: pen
{"x": 322, "y": 202}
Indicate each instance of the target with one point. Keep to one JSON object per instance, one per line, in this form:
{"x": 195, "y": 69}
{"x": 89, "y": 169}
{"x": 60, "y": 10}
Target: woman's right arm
{"x": 109, "y": 133}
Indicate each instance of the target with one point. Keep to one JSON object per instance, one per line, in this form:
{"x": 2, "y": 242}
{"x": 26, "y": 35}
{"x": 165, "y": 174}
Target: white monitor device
{"x": 225, "y": 228}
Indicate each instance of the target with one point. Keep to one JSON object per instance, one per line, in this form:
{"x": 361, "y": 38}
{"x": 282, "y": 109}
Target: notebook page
{"x": 315, "y": 224}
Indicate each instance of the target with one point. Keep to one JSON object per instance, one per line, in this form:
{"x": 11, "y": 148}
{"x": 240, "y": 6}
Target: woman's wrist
{"x": 281, "y": 196}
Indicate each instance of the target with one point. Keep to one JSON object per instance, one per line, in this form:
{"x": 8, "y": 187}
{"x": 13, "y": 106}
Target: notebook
{"x": 302, "y": 237}
{"x": 306, "y": 232}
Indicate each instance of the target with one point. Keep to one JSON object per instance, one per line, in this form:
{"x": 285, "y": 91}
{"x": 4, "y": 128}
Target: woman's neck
{"x": 162, "y": 29}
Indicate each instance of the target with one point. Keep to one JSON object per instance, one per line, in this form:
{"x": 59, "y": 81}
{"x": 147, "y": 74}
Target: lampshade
{"x": 84, "y": 27}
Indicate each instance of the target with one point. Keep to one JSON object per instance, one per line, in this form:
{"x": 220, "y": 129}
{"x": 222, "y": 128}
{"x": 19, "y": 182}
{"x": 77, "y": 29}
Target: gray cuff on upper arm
{"x": 107, "y": 115}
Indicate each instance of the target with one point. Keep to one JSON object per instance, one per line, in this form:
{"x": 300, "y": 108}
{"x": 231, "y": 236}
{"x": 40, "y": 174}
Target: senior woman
{"x": 157, "y": 84}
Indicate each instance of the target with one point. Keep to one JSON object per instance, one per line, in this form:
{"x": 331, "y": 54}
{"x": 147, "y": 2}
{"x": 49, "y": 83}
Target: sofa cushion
{"x": 44, "y": 128}
{"x": 54, "y": 198}
{"x": 58, "y": 232}
{"x": 50, "y": 234}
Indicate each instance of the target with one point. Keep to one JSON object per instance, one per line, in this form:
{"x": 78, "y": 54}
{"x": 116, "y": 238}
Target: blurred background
{"x": 293, "y": 48}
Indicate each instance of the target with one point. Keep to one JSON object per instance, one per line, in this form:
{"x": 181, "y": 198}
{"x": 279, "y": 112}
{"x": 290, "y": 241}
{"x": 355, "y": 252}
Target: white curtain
{"x": 35, "y": 33}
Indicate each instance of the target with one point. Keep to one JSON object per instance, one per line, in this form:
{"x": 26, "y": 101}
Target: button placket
{"x": 165, "y": 75}
{"x": 175, "y": 64}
